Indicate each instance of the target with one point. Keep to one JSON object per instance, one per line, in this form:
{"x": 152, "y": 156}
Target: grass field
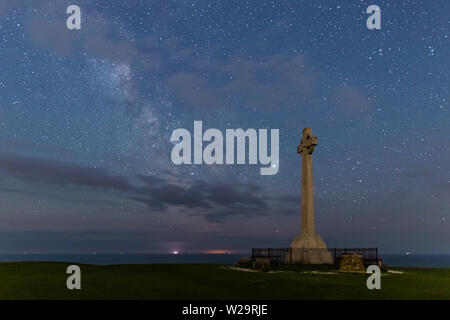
{"x": 47, "y": 280}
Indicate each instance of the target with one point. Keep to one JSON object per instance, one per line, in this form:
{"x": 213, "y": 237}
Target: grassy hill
{"x": 47, "y": 280}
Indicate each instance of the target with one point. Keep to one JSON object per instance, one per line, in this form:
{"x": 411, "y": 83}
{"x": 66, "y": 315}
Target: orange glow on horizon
{"x": 218, "y": 251}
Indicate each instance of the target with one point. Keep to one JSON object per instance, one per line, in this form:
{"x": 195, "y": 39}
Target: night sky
{"x": 86, "y": 118}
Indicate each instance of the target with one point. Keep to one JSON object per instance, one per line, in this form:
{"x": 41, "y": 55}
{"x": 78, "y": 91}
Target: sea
{"x": 397, "y": 260}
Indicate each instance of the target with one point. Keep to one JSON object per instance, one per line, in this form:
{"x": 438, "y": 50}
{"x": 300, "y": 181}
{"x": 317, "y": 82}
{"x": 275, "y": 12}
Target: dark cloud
{"x": 18, "y": 191}
{"x": 401, "y": 194}
{"x": 289, "y": 199}
{"x": 59, "y": 173}
{"x": 196, "y": 91}
{"x": 214, "y": 201}
{"x": 52, "y": 35}
{"x": 166, "y": 194}
{"x": 442, "y": 188}
{"x": 6, "y": 6}
{"x": 101, "y": 46}
{"x": 350, "y": 98}
{"x": 418, "y": 172}
{"x": 150, "y": 180}
{"x": 275, "y": 81}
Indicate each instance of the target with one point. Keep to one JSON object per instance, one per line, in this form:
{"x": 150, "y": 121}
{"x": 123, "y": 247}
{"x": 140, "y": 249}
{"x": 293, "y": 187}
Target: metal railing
{"x": 312, "y": 255}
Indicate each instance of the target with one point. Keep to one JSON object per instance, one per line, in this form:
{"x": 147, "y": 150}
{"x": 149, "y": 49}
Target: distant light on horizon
{"x": 218, "y": 251}
{"x": 175, "y": 252}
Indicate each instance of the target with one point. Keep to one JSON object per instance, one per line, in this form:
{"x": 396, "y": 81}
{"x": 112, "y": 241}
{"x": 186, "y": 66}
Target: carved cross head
{"x": 308, "y": 142}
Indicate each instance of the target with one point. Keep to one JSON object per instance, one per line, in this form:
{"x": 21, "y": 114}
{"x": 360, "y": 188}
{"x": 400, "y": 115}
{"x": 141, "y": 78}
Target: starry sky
{"x": 86, "y": 118}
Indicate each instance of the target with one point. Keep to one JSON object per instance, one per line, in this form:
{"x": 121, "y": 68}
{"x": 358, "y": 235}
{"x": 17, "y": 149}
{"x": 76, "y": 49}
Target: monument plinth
{"x": 314, "y": 248}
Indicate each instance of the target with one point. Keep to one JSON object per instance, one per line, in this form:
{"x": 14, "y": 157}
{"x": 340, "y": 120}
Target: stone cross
{"x": 308, "y": 247}
{"x": 308, "y": 142}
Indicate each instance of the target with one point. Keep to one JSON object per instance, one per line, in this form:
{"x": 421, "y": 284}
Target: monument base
{"x": 310, "y": 241}
{"x": 309, "y": 250}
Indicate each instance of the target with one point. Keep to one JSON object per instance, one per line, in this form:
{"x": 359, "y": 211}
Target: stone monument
{"x": 353, "y": 263}
{"x": 308, "y": 247}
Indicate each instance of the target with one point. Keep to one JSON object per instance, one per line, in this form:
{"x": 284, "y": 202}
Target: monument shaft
{"x": 307, "y": 217}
